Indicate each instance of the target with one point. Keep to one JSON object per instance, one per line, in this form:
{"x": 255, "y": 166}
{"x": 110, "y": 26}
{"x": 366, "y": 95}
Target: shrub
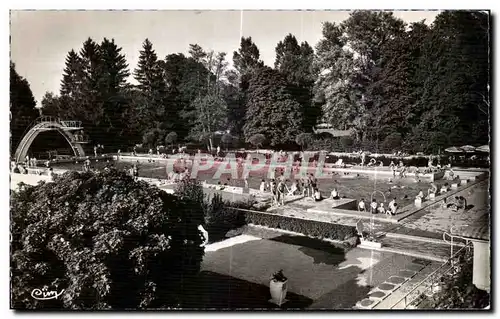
{"x": 110, "y": 242}
{"x": 304, "y": 139}
{"x": 220, "y": 218}
{"x": 149, "y": 138}
{"x": 227, "y": 140}
{"x": 257, "y": 140}
{"x": 392, "y": 142}
{"x": 347, "y": 143}
{"x": 171, "y": 138}
{"x": 190, "y": 191}
{"x": 328, "y": 144}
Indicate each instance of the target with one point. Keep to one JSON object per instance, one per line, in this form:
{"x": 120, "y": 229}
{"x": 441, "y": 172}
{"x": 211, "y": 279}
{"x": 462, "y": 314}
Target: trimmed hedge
{"x": 307, "y": 227}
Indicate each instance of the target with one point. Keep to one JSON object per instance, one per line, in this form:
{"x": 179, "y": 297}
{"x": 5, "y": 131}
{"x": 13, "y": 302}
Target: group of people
{"x": 80, "y": 136}
{"x": 306, "y": 186}
{"x": 400, "y": 168}
{"x": 178, "y": 175}
{"x": 458, "y": 203}
{"x": 30, "y": 162}
{"x": 378, "y": 208}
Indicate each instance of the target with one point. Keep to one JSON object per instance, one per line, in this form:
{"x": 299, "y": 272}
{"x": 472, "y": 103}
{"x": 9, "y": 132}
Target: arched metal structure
{"x": 333, "y": 132}
{"x": 46, "y": 123}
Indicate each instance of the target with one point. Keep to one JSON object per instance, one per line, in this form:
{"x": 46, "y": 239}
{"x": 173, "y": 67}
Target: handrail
{"x": 428, "y": 277}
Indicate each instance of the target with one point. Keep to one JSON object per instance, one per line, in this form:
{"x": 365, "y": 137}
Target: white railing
{"x": 429, "y": 282}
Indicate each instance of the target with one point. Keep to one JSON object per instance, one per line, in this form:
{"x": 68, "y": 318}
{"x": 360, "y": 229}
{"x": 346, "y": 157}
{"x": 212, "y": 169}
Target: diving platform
{"x": 70, "y": 130}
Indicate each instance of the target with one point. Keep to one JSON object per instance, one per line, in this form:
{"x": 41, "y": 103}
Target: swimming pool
{"x": 355, "y": 186}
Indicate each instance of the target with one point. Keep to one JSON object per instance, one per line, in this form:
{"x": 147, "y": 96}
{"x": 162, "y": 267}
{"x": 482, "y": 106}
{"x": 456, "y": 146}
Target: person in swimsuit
{"x": 381, "y": 209}
{"x": 313, "y": 182}
{"x": 334, "y": 194}
{"x": 317, "y": 195}
{"x": 281, "y": 193}
{"x": 393, "y": 206}
{"x": 361, "y": 205}
{"x": 373, "y": 206}
{"x": 273, "y": 188}
{"x": 432, "y": 190}
{"x": 307, "y": 186}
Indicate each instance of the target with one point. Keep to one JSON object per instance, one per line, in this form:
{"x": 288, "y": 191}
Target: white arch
{"x": 24, "y": 145}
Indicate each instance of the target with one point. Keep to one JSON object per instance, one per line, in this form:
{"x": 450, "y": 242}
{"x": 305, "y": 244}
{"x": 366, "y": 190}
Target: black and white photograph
{"x": 249, "y": 160}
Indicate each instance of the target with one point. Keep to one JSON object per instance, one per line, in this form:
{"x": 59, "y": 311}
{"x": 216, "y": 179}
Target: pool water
{"x": 350, "y": 186}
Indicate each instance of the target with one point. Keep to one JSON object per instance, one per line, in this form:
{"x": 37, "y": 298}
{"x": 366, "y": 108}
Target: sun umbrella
{"x": 453, "y": 149}
{"x": 484, "y": 148}
{"x": 468, "y": 148}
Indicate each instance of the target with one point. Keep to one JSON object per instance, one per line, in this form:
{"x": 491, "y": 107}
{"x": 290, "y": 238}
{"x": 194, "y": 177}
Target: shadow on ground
{"x": 320, "y": 251}
{"x": 343, "y": 297}
{"x": 213, "y": 291}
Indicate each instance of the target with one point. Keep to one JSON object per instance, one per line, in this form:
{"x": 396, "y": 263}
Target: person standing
{"x": 373, "y": 206}
{"x": 393, "y": 206}
{"x": 361, "y": 205}
{"x": 281, "y": 193}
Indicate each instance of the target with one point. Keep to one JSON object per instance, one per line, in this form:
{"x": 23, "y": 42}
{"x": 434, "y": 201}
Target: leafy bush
{"x": 149, "y": 138}
{"x": 347, "y": 143}
{"x": 329, "y": 144}
{"x": 392, "y": 142}
{"x": 220, "y": 218}
{"x": 170, "y": 138}
{"x": 227, "y": 140}
{"x": 190, "y": 191}
{"x": 108, "y": 241}
{"x": 257, "y": 140}
{"x": 304, "y": 139}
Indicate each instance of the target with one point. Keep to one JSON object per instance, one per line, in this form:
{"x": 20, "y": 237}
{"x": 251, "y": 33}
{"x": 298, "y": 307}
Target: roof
{"x": 334, "y": 132}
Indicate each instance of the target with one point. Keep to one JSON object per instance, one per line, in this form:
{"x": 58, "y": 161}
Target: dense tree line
{"x": 426, "y": 85}
{"x": 415, "y": 86}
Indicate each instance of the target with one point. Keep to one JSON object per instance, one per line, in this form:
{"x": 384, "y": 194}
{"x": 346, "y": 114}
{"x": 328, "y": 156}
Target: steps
{"x": 393, "y": 300}
{"x": 388, "y": 294}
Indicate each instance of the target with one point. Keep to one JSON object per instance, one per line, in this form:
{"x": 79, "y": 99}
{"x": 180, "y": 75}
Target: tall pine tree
{"x": 22, "y": 107}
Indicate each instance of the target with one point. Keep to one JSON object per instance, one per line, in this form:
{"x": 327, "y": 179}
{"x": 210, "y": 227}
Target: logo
{"x": 45, "y": 294}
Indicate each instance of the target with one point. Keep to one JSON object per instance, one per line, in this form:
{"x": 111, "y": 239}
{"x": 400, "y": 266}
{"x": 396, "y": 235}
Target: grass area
{"x": 349, "y": 186}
